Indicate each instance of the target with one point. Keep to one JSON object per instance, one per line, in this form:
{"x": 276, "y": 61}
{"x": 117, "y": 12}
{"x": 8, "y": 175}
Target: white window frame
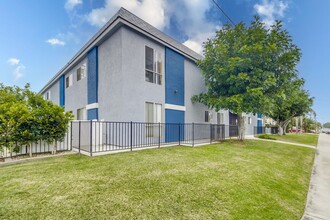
{"x": 48, "y": 97}
{"x": 157, "y": 109}
{"x": 249, "y": 120}
{"x": 82, "y": 72}
{"x": 152, "y": 128}
{"x": 220, "y": 118}
{"x": 207, "y": 116}
{"x": 70, "y": 77}
{"x": 157, "y": 69}
{"x": 83, "y": 114}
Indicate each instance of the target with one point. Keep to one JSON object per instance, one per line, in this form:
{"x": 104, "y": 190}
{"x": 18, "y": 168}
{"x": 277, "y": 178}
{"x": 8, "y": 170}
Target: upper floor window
{"x": 46, "y": 96}
{"x": 249, "y": 120}
{"x": 81, "y": 72}
{"x": 68, "y": 81}
{"x": 153, "y": 66}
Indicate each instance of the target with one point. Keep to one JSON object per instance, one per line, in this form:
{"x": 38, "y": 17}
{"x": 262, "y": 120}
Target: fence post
{"x": 131, "y": 136}
{"x": 193, "y": 134}
{"x": 71, "y": 135}
{"x": 79, "y": 136}
{"x": 158, "y": 134}
{"x": 210, "y": 133}
{"x": 91, "y": 138}
{"x": 179, "y": 134}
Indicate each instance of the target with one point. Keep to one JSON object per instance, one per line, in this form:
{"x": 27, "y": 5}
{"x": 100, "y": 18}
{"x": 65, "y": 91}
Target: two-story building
{"x": 131, "y": 71}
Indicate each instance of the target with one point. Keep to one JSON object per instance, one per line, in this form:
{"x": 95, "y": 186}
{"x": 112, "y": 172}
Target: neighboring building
{"x": 131, "y": 71}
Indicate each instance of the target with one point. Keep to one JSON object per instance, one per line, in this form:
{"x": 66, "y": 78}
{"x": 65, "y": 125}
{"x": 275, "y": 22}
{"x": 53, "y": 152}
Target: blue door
{"x": 174, "y": 128}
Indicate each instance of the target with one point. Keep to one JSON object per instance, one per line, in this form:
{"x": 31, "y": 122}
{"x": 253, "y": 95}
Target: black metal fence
{"x": 265, "y": 130}
{"x": 91, "y": 137}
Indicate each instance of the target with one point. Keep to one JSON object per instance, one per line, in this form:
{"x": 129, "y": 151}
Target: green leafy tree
{"x": 12, "y": 111}
{"x": 29, "y": 130}
{"x": 326, "y": 125}
{"x": 244, "y": 66}
{"x": 290, "y": 101}
{"x": 54, "y": 123}
{"x": 26, "y": 118}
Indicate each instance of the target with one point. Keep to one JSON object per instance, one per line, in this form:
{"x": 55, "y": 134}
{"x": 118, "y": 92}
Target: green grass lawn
{"x": 310, "y": 139}
{"x": 232, "y": 180}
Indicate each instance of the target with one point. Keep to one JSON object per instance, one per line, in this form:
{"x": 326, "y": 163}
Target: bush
{"x": 267, "y": 136}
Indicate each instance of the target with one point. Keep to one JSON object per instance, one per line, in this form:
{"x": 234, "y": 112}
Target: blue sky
{"x": 39, "y": 37}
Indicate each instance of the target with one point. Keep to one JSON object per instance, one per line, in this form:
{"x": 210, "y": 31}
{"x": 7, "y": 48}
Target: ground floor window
{"x": 81, "y": 114}
{"x": 153, "y": 115}
{"x": 207, "y": 116}
{"x": 220, "y": 118}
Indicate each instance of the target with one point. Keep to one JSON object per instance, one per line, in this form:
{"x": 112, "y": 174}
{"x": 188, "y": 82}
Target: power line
{"x": 223, "y": 12}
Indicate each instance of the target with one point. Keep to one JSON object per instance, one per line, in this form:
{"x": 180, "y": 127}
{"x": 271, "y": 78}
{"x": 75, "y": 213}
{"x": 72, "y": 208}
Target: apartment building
{"x": 131, "y": 71}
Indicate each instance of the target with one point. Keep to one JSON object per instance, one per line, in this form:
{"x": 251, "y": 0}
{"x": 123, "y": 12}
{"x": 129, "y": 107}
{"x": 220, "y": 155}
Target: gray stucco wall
{"x": 110, "y": 76}
{"x": 249, "y": 128}
{"x": 123, "y": 90}
{"x": 76, "y": 95}
{"x": 194, "y": 85}
{"x": 54, "y": 93}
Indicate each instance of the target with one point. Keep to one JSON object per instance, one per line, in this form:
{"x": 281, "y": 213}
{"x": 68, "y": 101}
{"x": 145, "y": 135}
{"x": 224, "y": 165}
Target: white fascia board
{"x": 175, "y": 107}
{"x": 92, "y": 106}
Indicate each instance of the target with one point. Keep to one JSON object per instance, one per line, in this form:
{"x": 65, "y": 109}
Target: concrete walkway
{"x": 283, "y": 142}
{"x": 318, "y": 199}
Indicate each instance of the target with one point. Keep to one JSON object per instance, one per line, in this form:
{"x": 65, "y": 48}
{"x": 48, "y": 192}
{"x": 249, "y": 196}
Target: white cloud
{"x": 149, "y": 10}
{"x": 71, "y": 4}
{"x": 196, "y": 41}
{"x": 189, "y": 15}
{"x": 55, "y": 41}
{"x": 18, "y": 71}
{"x": 19, "y": 68}
{"x": 13, "y": 61}
{"x": 270, "y": 10}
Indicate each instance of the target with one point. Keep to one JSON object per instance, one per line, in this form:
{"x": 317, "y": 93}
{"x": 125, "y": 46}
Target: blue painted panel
{"x": 259, "y": 128}
{"x": 174, "y": 128}
{"x": 92, "y": 114}
{"x": 259, "y": 115}
{"x": 92, "y": 76}
{"x": 62, "y": 90}
{"x": 174, "y": 77}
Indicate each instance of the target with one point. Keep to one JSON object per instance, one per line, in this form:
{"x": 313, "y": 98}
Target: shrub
{"x": 267, "y": 136}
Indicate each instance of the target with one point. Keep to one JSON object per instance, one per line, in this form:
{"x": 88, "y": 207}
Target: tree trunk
{"x": 55, "y": 147}
{"x": 282, "y": 126}
{"x": 286, "y": 125}
{"x": 241, "y": 127}
{"x": 280, "y": 130}
{"x": 284, "y": 129}
{"x": 30, "y": 149}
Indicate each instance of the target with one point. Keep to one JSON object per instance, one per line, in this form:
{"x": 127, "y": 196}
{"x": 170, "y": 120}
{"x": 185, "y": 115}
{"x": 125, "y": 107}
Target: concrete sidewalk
{"x": 282, "y": 142}
{"x": 318, "y": 199}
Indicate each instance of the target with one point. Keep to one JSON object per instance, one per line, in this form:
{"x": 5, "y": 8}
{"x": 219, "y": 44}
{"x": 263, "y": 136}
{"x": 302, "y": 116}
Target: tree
{"x": 326, "y": 125}
{"x": 25, "y": 118}
{"x": 12, "y": 111}
{"x": 54, "y": 124}
{"x": 244, "y": 66}
{"x": 290, "y": 101}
